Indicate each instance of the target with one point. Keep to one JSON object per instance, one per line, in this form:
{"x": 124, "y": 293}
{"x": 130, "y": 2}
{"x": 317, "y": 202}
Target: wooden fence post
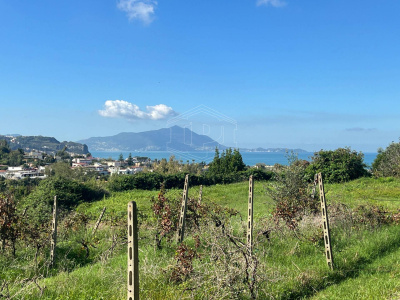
{"x": 53, "y": 233}
{"x": 250, "y": 216}
{"x": 200, "y": 194}
{"x": 314, "y": 186}
{"x": 181, "y": 228}
{"x": 325, "y": 222}
{"x": 98, "y": 221}
{"x": 133, "y": 253}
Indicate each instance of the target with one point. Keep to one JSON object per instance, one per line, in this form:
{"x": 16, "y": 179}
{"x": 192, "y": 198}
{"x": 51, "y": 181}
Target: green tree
{"x": 16, "y": 157}
{"x": 387, "y": 162}
{"x": 4, "y": 147}
{"x": 130, "y": 160}
{"x": 215, "y": 165}
{"x": 60, "y": 170}
{"x": 10, "y": 157}
{"x": 340, "y": 165}
{"x": 63, "y": 154}
{"x": 121, "y": 157}
{"x": 230, "y": 161}
{"x": 237, "y": 161}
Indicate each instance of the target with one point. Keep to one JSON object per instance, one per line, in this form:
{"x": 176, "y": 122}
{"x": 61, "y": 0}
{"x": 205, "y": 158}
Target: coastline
{"x": 249, "y": 158}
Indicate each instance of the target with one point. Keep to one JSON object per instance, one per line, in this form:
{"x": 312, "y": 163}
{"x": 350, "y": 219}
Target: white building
{"x": 20, "y": 173}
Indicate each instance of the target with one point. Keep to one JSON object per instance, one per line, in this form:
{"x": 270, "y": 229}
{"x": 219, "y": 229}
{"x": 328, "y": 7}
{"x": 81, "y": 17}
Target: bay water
{"x": 249, "y": 158}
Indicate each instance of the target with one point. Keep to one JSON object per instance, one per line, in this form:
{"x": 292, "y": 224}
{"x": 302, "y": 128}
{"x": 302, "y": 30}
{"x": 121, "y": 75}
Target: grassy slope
{"x": 232, "y": 195}
{"x": 368, "y": 261}
{"x": 383, "y": 191}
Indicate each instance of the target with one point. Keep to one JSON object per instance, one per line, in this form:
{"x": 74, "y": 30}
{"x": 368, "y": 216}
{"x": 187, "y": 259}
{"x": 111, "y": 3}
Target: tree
{"x": 340, "y": 165}
{"x": 60, "y": 169}
{"x": 4, "y": 147}
{"x": 9, "y": 157}
{"x": 387, "y": 162}
{"x": 230, "y": 161}
{"x": 15, "y": 158}
{"x": 130, "y": 160}
{"x": 121, "y": 157}
{"x": 215, "y": 165}
{"x": 237, "y": 161}
{"x": 63, "y": 154}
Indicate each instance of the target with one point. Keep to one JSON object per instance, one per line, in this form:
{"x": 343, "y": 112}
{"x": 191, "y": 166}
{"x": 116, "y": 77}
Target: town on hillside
{"x": 36, "y": 164}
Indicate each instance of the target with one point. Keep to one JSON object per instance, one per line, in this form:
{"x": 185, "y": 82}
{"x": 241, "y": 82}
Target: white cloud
{"x": 142, "y": 10}
{"x": 274, "y": 3}
{"x": 124, "y": 109}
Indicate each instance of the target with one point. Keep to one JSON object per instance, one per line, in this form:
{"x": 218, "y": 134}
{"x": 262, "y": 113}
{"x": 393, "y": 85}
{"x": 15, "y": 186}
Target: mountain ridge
{"x": 49, "y": 145}
{"x": 173, "y": 138}
{"x": 165, "y": 139}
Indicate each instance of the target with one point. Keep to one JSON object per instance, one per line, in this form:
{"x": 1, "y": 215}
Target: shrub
{"x": 69, "y": 194}
{"x": 153, "y": 181}
{"x": 290, "y": 191}
{"x": 340, "y": 165}
{"x": 387, "y": 162}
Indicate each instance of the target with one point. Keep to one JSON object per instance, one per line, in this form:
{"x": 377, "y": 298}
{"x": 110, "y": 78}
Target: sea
{"x": 249, "y": 158}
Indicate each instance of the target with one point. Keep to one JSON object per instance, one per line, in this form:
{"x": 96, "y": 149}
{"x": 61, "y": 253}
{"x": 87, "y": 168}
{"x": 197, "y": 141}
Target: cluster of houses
{"x": 102, "y": 167}
{"x": 109, "y": 167}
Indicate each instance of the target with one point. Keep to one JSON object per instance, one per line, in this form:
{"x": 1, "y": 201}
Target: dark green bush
{"x": 340, "y": 165}
{"x": 69, "y": 194}
{"x": 153, "y": 181}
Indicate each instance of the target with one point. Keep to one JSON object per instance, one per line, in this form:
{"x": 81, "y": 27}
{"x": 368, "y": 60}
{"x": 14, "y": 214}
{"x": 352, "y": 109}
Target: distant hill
{"x": 165, "y": 139}
{"x": 275, "y": 150}
{"x": 43, "y": 143}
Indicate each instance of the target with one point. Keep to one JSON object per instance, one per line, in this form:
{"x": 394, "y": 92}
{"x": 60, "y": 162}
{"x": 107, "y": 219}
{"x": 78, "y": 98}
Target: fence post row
{"x": 98, "y": 221}
{"x": 133, "y": 253}
{"x": 53, "y": 233}
{"x": 181, "y": 228}
{"x": 325, "y": 222}
{"x": 250, "y": 216}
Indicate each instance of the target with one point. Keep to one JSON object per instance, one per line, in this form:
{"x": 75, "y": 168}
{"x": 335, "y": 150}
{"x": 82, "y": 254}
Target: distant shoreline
{"x": 249, "y": 158}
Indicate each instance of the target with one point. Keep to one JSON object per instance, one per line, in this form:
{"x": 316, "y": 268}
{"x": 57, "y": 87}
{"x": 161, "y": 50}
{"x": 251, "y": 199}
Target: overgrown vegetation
{"x": 292, "y": 193}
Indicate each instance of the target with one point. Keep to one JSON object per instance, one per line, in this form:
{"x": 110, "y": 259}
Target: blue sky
{"x": 307, "y": 74}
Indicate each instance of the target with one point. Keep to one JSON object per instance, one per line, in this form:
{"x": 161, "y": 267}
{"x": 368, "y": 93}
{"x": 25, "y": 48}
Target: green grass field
{"x": 367, "y": 257}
